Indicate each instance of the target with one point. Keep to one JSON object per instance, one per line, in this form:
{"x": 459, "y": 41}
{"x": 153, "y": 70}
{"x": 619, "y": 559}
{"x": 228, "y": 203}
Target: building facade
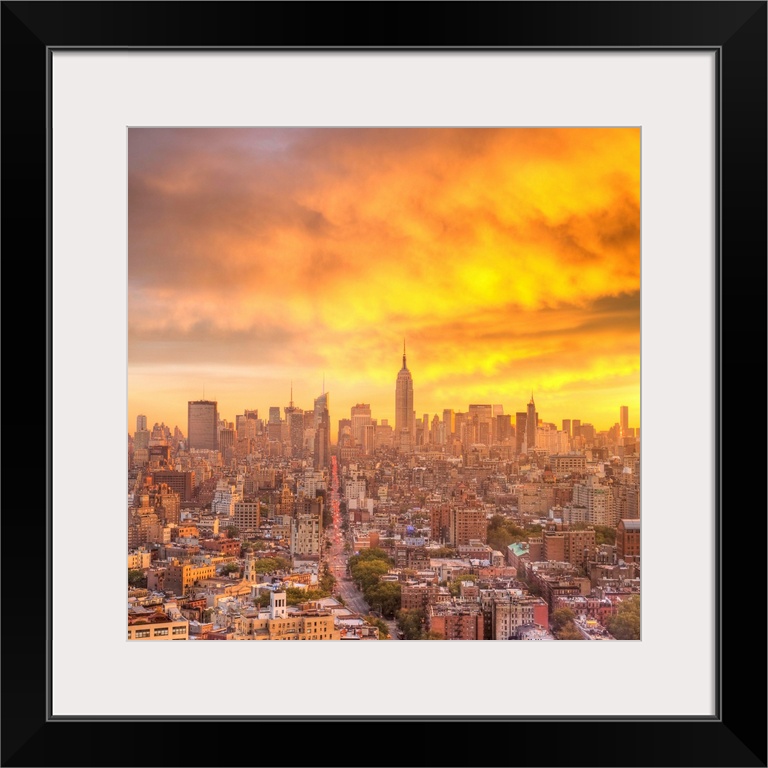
{"x": 405, "y": 422}
{"x": 202, "y": 425}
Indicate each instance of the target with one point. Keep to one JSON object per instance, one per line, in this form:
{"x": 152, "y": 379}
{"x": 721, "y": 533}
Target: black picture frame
{"x": 737, "y": 31}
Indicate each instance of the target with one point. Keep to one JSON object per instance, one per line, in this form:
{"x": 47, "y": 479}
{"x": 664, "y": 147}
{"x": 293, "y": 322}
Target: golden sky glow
{"x": 509, "y": 260}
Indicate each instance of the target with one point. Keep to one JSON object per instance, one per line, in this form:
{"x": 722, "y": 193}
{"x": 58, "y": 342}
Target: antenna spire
{"x": 403, "y": 352}
{"x": 291, "y": 393}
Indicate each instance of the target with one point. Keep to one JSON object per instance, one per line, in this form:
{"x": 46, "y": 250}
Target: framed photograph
{"x": 116, "y": 111}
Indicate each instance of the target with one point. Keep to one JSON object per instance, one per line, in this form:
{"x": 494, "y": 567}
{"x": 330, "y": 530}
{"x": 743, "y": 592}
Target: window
{"x": 161, "y": 632}
{"x": 142, "y": 633}
{"x": 179, "y": 630}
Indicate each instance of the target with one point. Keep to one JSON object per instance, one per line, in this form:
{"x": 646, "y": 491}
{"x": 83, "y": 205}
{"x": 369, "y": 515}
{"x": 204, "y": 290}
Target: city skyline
{"x": 268, "y": 260}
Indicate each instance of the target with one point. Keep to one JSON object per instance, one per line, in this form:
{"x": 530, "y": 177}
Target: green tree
{"x": 386, "y": 595}
{"x": 136, "y": 578}
{"x": 232, "y": 532}
{"x": 502, "y": 532}
{"x": 625, "y": 623}
{"x": 454, "y": 586}
{"x": 327, "y": 580}
{"x": 228, "y": 568}
{"x": 569, "y": 632}
{"x": 560, "y": 618}
{"x": 296, "y": 595}
{"x": 374, "y": 553}
{"x": 411, "y": 623}
{"x": 447, "y": 552}
{"x": 605, "y": 534}
{"x": 381, "y": 624}
{"x": 256, "y": 545}
{"x": 271, "y": 564}
{"x": 434, "y": 635}
{"x": 366, "y": 574}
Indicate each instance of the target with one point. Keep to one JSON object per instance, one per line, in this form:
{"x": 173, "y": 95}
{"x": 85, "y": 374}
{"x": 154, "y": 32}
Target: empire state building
{"x": 405, "y": 432}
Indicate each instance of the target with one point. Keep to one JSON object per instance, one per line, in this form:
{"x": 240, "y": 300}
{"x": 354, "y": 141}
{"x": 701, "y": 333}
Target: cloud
{"x": 497, "y": 252}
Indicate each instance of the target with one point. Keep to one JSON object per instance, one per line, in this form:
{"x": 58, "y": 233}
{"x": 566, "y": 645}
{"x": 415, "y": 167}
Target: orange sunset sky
{"x": 509, "y": 260}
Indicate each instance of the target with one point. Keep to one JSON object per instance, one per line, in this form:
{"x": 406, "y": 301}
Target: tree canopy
{"x": 502, "y": 532}
{"x": 625, "y": 623}
{"x": 136, "y": 577}
{"x": 563, "y": 625}
{"x": 411, "y": 623}
{"x": 271, "y": 564}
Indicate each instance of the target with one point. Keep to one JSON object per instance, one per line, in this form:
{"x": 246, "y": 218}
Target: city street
{"x": 337, "y": 558}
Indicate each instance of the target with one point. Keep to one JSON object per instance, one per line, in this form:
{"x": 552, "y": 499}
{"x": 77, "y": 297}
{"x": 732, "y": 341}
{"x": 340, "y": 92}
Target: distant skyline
{"x": 508, "y": 259}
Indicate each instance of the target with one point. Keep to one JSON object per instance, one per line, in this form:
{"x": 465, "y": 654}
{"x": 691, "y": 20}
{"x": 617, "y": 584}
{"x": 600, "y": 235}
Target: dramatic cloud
{"x": 508, "y": 258}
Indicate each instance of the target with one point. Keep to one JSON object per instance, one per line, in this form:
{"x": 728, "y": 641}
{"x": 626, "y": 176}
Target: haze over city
{"x": 262, "y": 260}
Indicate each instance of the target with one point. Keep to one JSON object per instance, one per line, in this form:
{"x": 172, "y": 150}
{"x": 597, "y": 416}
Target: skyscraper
{"x": 624, "y": 420}
{"x": 202, "y": 423}
{"x": 405, "y": 423}
{"x": 520, "y": 430}
{"x": 141, "y": 423}
{"x": 322, "y": 452}
{"x": 531, "y": 425}
{"x": 360, "y": 417}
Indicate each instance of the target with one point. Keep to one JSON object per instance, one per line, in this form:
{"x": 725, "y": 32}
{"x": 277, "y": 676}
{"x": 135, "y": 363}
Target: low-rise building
{"x": 149, "y": 624}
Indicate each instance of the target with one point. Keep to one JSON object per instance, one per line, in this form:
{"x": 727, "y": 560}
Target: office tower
{"x": 226, "y": 440}
{"x": 567, "y": 426}
{"x": 576, "y": 428}
{"x": 294, "y": 418}
{"x": 202, "y": 425}
{"x": 502, "y": 428}
{"x": 141, "y": 423}
{"x": 405, "y": 423}
{"x": 322, "y": 403}
{"x": 360, "y": 417}
{"x": 274, "y": 414}
{"x": 436, "y": 431}
{"x": 345, "y": 432}
{"x": 531, "y": 425}
{"x": 449, "y": 419}
{"x": 520, "y": 430}
{"x": 481, "y": 418}
{"x": 624, "y": 420}
{"x": 322, "y": 453}
{"x": 459, "y": 424}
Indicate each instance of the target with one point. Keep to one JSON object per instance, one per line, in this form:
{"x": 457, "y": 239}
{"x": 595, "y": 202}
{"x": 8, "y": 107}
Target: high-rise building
{"x": 624, "y": 420}
{"x": 322, "y": 452}
{"x": 531, "y": 425}
{"x": 321, "y": 404}
{"x": 360, "y": 416}
{"x": 294, "y": 418}
{"x": 520, "y": 430}
{"x": 481, "y": 418}
{"x": 344, "y": 434}
{"x": 449, "y": 419}
{"x": 202, "y": 425}
{"x": 567, "y": 426}
{"x": 405, "y": 423}
{"x": 502, "y": 427}
{"x": 274, "y": 414}
{"x": 141, "y": 422}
